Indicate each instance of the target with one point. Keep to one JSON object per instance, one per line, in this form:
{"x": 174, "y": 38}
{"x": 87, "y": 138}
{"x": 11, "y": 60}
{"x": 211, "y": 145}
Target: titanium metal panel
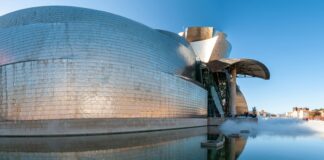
{"x": 72, "y": 63}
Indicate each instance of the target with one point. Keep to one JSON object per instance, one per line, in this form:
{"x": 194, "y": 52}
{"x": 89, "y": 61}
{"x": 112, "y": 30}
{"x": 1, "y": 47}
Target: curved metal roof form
{"x": 208, "y": 43}
{"x": 244, "y": 66}
{"x": 204, "y": 48}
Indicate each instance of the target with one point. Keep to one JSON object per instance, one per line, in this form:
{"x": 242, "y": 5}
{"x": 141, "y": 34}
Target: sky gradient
{"x": 285, "y": 35}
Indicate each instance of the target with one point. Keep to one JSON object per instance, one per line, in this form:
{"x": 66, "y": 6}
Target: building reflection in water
{"x": 171, "y": 144}
{"x": 231, "y": 149}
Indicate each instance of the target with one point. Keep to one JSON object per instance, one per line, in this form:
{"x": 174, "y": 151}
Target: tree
{"x": 314, "y": 114}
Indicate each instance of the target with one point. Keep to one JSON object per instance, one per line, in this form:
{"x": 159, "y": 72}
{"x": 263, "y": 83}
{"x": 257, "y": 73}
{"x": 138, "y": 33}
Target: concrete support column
{"x": 232, "y": 103}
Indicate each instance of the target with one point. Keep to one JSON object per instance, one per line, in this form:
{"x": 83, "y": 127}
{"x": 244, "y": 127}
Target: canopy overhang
{"x": 248, "y": 67}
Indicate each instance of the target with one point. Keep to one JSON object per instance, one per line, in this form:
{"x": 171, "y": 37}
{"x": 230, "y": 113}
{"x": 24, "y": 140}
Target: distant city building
{"x": 281, "y": 115}
{"x": 322, "y": 113}
{"x": 263, "y": 113}
{"x": 299, "y": 112}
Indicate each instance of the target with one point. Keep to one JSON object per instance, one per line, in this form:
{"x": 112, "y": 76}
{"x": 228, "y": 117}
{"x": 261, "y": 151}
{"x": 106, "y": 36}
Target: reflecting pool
{"x": 249, "y": 143}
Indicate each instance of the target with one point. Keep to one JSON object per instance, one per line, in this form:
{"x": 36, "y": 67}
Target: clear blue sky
{"x": 287, "y": 35}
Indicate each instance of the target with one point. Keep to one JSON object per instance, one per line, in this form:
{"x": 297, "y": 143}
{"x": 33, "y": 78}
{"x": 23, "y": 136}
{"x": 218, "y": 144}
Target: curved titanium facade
{"x": 241, "y": 105}
{"x": 75, "y": 63}
{"x": 208, "y": 43}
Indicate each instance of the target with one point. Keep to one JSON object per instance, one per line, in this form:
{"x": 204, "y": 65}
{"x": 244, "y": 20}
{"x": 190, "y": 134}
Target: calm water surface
{"x": 172, "y": 145}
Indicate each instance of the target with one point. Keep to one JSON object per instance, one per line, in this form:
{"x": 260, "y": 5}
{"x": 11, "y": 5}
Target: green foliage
{"x": 314, "y": 113}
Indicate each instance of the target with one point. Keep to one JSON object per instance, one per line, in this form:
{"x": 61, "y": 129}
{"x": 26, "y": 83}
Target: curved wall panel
{"x": 70, "y": 63}
{"x": 241, "y": 105}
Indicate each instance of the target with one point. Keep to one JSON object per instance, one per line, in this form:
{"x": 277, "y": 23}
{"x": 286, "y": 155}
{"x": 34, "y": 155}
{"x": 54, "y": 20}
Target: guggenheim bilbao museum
{"x": 70, "y": 71}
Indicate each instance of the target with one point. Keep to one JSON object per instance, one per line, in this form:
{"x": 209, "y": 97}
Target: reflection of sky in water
{"x": 276, "y": 147}
{"x": 277, "y": 140}
{"x": 271, "y": 139}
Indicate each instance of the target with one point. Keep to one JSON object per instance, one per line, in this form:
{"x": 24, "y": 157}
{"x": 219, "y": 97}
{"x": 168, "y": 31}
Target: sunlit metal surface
{"x": 204, "y": 48}
{"x": 208, "y": 43}
{"x": 72, "y": 63}
{"x": 193, "y": 34}
{"x": 241, "y": 105}
{"x": 222, "y": 48}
